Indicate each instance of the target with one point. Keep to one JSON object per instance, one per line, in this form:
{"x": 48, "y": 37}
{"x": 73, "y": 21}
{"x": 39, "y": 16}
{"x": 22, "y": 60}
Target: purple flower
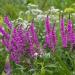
{"x": 69, "y": 29}
{"x": 73, "y": 38}
{"x": 34, "y": 35}
{"x": 7, "y": 68}
{"x": 8, "y": 22}
{"x": 48, "y": 33}
{"x": 31, "y": 45}
{"x": 50, "y": 38}
{"x": 63, "y": 33}
{"x": 54, "y": 37}
{"x": 4, "y": 33}
{"x": 21, "y": 42}
{"x": 47, "y": 25}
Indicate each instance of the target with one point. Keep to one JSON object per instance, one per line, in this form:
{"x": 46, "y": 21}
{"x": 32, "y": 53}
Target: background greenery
{"x": 13, "y": 7}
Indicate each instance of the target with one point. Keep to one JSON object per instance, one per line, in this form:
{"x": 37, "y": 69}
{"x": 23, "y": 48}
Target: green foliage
{"x": 11, "y": 10}
{"x": 12, "y": 7}
{"x": 3, "y": 55}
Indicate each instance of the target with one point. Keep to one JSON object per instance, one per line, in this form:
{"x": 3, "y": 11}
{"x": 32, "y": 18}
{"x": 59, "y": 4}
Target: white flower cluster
{"x": 73, "y": 14}
{"x": 53, "y": 10}
{"x": 39, "y": 15}
{"x": 32, "y": 6}
{"x": 20, "y": 21}
{"x": 33, "y": 9}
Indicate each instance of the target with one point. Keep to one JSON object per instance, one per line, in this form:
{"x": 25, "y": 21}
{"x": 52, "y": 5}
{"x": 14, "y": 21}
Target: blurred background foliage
{"x": 13, "y": 7}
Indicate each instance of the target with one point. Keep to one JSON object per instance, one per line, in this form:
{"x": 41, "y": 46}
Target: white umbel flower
{"x": 25, "y": 24}
{"x": 41, "y": 17}
{"x": 36, "y": 11}
{"x": 32, "y": 5}
{"x": 53, "y": 10}
{"x": 27, "y": 12}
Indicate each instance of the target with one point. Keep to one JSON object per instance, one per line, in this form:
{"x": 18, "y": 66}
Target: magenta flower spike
{"x": 8, "y": 22}
{"x": 47, "y": 25}
{"x": 47, "y": 40}
{"x": 54, "y": 38}
{"x": 34, "y": 34}
{"x": 7, "y": 69}
{"x": 4, "y": 33}
{"x": 63, "y": 33}
{"x": 64, "y": 40}
{"x": 73, "y": 38}
{"x": 50, "y": 38}
{"x": 54, "y": 34}
{"x": 48, "y": 30}
{"x": 62, "y": 28}
{"x": 70, "y": 30}
{"x": 31, "y": 47}
{"x": 5, "y": 39}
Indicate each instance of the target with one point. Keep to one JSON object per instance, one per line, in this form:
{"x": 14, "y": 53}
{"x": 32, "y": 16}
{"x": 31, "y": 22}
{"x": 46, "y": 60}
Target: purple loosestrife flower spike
{"x": 4, "y": 33}
{"x": 54, "y": 34}
{"x": 31, "y": 48}
{"x": 73, "y": 38}
{"x": 34, "y": 34}
{"x": 54, "y": 38}
{"x": 69, "y": 29}
{"x": 5, "y": 39}
{"x": 5, "y": 42}
{"x": 7, "y": 67}
{"x": 8, "y": 22}
{"x": 48, "y": 38}
{"x": 63, "y": 33}
{"x": 47, "y": 25}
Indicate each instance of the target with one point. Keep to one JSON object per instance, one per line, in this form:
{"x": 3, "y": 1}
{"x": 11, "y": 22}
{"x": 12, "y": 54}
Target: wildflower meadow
{"x": 37, "y": 37}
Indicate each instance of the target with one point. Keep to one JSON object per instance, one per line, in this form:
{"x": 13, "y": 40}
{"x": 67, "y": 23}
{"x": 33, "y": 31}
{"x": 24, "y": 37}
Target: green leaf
{"x": 63, "y": 65}
{"x": 51, "y": 66}
{"x": 42, "y": 71}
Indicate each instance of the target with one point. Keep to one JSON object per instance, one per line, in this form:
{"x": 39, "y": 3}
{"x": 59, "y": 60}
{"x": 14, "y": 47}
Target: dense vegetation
{"x": 37, "y": 37}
